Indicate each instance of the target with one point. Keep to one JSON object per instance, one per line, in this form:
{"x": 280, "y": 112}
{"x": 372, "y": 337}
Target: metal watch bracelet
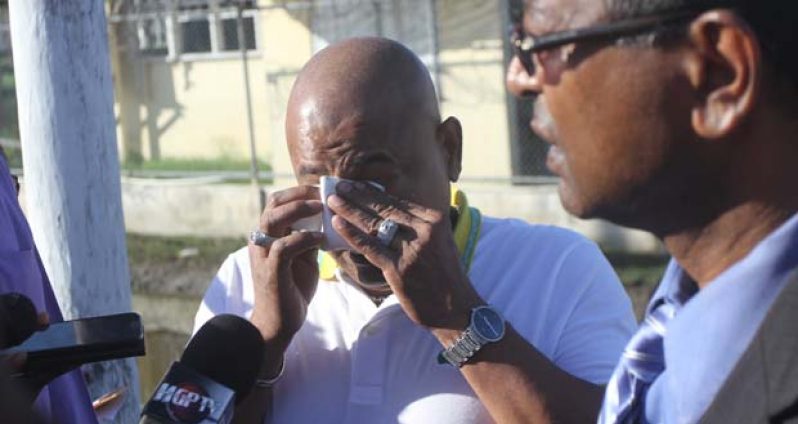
{"x": 463, "y": 348}
{"x": 265, "y": 383}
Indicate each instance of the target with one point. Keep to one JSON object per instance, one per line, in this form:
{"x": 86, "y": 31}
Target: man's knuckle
{"x": 290, "y": 208}
{"x": 306, "y": 238}
{"x": 307, "y": 208}
{"x": 268, "y": 220}
{"x": 271, "y": 200}
{"x": 363, "y": 240}
{"x": 437, "y": 217}
{"x": 384, "y": 209}
{"x": 300, "y": 207}
{"x": 424, "y": 234}
{"x": 373, "y": 225}
{"x": 278, "y": 249}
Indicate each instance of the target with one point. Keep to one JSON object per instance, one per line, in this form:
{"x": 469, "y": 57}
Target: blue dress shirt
{"x": 714, "y": 327}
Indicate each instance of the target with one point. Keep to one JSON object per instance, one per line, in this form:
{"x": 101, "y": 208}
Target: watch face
{"x": 488, "y": 323}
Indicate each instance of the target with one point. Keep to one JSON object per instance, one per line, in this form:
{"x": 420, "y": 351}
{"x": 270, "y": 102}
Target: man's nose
{"x": 519, "y": 82}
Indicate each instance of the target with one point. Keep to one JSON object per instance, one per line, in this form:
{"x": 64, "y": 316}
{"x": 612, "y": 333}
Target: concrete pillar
{"x": 71, "y": 168}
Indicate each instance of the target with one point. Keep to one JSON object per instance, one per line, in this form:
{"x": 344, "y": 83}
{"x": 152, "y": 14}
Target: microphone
{"x": 18, "y": 319}
{"x": 216, "y": 371}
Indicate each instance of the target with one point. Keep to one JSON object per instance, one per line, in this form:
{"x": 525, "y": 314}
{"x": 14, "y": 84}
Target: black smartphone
{"x": 82, "y": 341}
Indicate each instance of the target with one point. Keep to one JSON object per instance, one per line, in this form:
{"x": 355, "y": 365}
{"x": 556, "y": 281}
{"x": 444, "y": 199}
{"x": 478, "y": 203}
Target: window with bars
{"x": 230, "y": 33}
{"x": 333, "y": 21}
{"x": 152, "y": 36}
{"x": 190, "y": 29}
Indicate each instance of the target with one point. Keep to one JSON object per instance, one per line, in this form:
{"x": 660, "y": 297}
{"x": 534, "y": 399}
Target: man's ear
{"x": 450, "y": 138}
{"x": 725, "y": 71}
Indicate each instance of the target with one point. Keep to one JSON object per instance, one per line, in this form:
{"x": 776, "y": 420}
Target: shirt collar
{"x": 773, "y": 256}
{"x": 676, "y": 288}
{"x": 715, "y": 325}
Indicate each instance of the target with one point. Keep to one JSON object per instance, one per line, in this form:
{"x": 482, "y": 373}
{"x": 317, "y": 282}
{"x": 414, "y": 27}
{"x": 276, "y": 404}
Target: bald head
{"x": 366, "y": 94}
{"x": 367, "y": 76}
{"x": 365, "y": 109}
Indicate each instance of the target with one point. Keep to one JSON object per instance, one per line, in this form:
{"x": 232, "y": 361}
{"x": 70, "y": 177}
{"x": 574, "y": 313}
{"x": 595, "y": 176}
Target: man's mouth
{"x": 542, "y": 124}
{"x": 363, "y": 272}
{"x": 544, "y": 131}
{"x": 555, "y": 159}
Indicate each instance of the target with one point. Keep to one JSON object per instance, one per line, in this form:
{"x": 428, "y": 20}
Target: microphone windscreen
{"x": 229, "y": 350}
{"x": 18, "y": 319}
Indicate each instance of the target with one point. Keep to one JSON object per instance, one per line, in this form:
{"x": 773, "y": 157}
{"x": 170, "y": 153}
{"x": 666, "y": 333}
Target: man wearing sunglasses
{"x": 679, "y": 117}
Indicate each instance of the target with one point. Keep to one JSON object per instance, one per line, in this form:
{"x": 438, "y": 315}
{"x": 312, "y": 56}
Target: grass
{"x": 160, "y": 250}
{"x": 633, "y": 269}
{"x": 640, "y": 275}
{"x": 186, "y": 264}
{"x": 195, "y": 164}
{"x": 636, "y": 269}
{"x": 14, "y": 157}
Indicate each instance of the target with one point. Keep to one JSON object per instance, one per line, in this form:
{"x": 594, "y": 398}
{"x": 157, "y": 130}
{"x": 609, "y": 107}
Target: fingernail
{"x": 334, "y": 200}
{"x": 344, "y": 187}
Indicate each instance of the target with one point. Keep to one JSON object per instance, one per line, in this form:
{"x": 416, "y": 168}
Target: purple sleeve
{"x": 65, "y": 399}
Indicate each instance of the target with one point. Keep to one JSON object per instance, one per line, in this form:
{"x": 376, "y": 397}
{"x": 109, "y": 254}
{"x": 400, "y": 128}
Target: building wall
{"x": 208, "y": 97}
{"x": 196, "y": 108}
{"x": 472, "y": 83}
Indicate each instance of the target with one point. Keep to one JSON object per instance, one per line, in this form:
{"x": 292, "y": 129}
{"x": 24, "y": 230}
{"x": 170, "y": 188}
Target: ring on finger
{"x": 259, "y": 238}
{"x": 387, "y": 231}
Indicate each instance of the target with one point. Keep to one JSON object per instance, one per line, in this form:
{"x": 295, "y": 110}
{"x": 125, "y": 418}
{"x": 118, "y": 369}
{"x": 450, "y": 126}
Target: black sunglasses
{"x": 525, "y": 45}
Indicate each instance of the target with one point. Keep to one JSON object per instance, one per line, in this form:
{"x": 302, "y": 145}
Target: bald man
{"x": 455, "y": 318}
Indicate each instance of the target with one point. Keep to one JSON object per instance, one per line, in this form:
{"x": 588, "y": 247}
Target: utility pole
{"x": 71, "y": 167}
{"x": 253, "y": 155}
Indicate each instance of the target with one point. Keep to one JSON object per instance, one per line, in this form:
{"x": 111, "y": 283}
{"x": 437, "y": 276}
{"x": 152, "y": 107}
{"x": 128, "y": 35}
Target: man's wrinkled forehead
{"x": 321, "y": 121}
{"x": 544, "y": 16}
{"x": 324, "y": 132}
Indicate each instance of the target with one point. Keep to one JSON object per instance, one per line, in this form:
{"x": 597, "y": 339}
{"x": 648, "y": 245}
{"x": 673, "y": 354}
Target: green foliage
{"x": 636, "y": 269}
{"x": 9, "y": 127}
{"x": 194, "y": 164}
{"x": 14, "y": 157}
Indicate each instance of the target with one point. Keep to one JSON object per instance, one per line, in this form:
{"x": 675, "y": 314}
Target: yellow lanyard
{"x": 466, "y": 236}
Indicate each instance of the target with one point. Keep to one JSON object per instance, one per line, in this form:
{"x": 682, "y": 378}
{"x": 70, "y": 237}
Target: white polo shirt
{"x": 353, "y": 362}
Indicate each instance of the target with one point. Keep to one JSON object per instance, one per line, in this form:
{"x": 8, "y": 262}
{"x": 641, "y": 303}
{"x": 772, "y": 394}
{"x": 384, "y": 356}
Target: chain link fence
{"x": 529, "y": 151}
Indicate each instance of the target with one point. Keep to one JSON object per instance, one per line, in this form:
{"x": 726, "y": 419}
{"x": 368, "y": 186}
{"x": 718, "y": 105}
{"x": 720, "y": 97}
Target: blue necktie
{"x": 641, "y": 363}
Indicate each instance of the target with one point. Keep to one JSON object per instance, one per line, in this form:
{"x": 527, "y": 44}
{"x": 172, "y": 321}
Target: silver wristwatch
{"x": 486, "y": 326}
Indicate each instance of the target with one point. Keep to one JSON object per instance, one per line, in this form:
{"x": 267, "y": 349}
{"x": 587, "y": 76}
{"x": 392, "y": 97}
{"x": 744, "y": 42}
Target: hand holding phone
{"x": 71, "y": 343}
{"x": 18, "y": 319}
